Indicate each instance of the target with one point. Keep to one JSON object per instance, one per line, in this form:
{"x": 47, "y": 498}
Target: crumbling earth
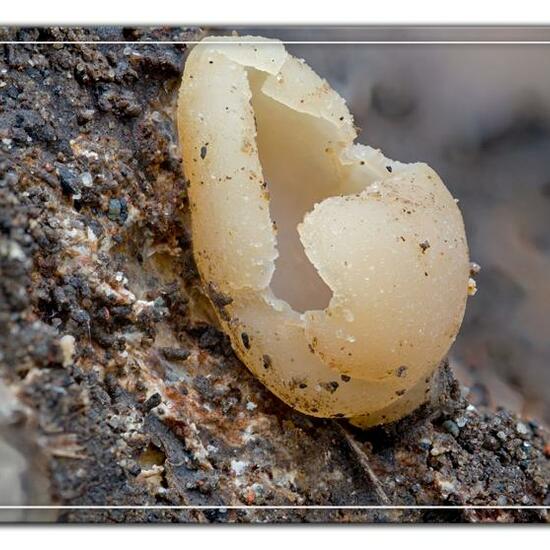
{"x": 116, "y": 386}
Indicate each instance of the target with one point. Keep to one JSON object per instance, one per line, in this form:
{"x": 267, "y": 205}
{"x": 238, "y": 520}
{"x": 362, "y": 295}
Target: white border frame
{"x": 285, "y": 507}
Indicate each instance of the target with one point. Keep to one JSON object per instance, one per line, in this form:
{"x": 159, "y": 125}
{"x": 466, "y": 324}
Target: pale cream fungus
{"x": 341, "y": 276}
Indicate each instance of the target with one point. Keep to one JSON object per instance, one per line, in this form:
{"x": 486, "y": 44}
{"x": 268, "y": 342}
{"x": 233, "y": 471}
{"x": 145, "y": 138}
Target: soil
{"x": 116, "y": 386}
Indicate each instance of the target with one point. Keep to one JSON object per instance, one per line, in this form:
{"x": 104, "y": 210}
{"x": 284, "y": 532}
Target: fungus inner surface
{"x": 297, "y": 155}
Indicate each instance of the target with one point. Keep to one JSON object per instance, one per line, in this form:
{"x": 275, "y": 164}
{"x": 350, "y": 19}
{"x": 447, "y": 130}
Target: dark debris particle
{"x": 210, "y": 338}
{"x": 267, "y": 362}
{"x": 424, "y": 245}
{"x": 68, "y": 180}
{"x": 219, "y": 299}
{"x": 491, "y": 443}
{"x": 389, "y": 169}
{"x": 331, "y": 386}
{"x": 345, "y": 378}
{"x": 204, "y": 150}
{"x": 154, "y": 401}
{"x": 401, "y": 371}
{"x": 175, "y": 354}
{"x": 245, "y": 339}
{"x": 400, "y": 392}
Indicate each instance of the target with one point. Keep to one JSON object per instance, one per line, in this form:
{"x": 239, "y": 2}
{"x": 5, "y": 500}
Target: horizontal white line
{"x": 292, "y": 42}
{"x": 267, "y": 507}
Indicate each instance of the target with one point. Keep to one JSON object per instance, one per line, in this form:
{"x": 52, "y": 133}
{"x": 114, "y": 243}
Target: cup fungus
{"x": 341, "y": 276}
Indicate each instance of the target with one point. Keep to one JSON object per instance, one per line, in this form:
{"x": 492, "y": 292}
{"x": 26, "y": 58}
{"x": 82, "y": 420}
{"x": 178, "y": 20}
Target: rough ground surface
{"x": 148, "y": 405}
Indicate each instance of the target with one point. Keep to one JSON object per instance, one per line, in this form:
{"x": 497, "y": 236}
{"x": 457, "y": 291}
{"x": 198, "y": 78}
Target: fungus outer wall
{"x": 347, "y": 309}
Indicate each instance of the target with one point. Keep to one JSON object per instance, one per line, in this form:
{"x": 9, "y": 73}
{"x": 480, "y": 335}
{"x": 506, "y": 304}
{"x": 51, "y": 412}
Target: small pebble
{"x": 67, "y": 344}
{"x": 153, "y": 401}
{"x": 521, "y": 428}
{"x": 118, "y": 210}
{"x": 451, "y": 427}
{"x": 461, "y": 421}
{"x": 86, "y": 178}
